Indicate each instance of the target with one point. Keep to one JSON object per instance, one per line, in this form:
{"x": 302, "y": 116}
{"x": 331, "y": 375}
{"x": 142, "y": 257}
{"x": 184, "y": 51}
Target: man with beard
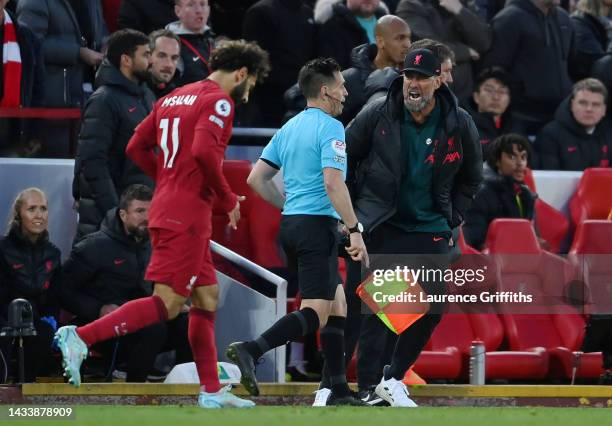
{"x": 181, "y": 145}
{"x": 105, "y": 270}
{"x": 165, "y": 54}
{"x": 121, "y": 102}
{"x": 310, "y": 148}
{"x": 414, "y": 164}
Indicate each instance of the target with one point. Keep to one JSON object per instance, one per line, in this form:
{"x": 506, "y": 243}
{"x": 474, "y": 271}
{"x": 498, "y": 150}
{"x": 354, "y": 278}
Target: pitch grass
{"x": 334, "y": 416}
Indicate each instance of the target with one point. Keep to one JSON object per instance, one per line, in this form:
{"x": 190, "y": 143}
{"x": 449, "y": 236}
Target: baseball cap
{"x": 422, "y": 61}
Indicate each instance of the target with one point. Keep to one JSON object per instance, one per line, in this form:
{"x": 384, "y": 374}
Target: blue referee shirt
{"x": 302, "y": 148}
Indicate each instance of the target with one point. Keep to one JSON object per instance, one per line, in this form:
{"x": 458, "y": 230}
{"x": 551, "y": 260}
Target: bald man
{"x": 392, "y": 36}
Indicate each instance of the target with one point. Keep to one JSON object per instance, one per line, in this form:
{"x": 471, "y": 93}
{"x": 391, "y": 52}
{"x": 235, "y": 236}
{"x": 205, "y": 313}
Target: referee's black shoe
{"x": 237, "y": 353}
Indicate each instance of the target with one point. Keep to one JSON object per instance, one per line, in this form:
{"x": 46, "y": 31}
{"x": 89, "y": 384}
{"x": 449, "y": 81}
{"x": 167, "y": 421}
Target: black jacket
{"x": 535, "y": 51}
{"x": 496, "y": 199}
{"x": 192, "y": 66}
{"x": 55, "y": 26}
{"x": 374, "y": 175}
{"x": 563, "y": 144}
{"x": 340, "y": 34}
{"x": 362, "y": 58}
{"x": 106, "y": 267}
{"x": 145, "y": 15}
{"x": 160, "y": 90}
{"x": 487, "y": 128}
{"x": 602, "y": 70}
{"x": 29, "y": 271}
{"x": 102, "y": 170}
{"x": 591, "y": 43}
{"x": 427, "y": 19}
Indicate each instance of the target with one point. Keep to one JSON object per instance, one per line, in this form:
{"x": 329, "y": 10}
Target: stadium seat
{"x": 256, "y": 236}
{"x": 548, "y": 322}
{"x": 592, "y": 197}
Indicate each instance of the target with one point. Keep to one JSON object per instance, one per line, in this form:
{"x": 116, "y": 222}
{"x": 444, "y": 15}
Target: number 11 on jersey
{"x": 163, "y": 143}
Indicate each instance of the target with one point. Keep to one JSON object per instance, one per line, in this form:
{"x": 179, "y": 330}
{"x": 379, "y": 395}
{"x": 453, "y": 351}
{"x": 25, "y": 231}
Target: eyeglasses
{"x": 495, "y": 91}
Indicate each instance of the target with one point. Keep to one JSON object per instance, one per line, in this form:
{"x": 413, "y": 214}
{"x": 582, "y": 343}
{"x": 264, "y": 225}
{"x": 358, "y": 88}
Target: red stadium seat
{"x": 592, "y": 197}
{"x": 549, "y": 322}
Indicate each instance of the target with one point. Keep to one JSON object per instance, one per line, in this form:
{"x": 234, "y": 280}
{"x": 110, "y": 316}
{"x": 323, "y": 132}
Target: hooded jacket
{"x": 535, "y": 50}
{"x": 487, "y": 127}
{"x": 106, "y": 267}
{"x": 563, "y": 144}
{"x": 29, "y": 271}
{"x": 496, "y": 198}
{"x": 340, "y": 34}
{"x": 192, "y": 66}
{"x": 375, "y": 171}
{"x": 102, "y": 170}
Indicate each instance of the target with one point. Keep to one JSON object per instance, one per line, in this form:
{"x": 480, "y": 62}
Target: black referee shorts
{"x": 311, "y": 245}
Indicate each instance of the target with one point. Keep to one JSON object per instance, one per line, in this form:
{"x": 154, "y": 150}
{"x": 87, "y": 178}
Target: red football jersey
{"x": 181, "y": 144}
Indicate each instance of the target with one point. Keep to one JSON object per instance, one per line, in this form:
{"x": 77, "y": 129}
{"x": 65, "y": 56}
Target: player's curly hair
{"x": 231, "y": 55}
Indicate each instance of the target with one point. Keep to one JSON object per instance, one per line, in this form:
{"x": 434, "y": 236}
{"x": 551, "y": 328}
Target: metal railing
{"x": 281, "y": 294}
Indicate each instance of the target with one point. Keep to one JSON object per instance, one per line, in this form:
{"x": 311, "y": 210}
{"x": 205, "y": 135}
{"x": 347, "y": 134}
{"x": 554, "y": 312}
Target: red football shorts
{"x": 181, "y": 260}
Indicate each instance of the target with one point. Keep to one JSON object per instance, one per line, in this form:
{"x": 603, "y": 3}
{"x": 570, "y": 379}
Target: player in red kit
{"x": 181, "y": 144}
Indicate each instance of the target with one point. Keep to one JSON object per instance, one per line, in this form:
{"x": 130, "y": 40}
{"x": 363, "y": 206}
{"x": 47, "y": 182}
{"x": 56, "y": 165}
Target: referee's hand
{"x": 234, "y": 215}
{"x": 357, "y": 250}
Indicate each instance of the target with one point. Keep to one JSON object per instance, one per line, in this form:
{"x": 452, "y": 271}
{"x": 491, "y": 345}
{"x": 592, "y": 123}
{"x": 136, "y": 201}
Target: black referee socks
{"x": 289, "y": 328}
{"x": 332, "y": 341}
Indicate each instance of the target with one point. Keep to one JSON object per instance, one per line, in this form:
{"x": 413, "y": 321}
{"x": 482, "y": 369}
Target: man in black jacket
{"x": 414, "y": 164}
{"x": 346, "y": 29}
{"x": 106, "y": 269}
{"x": 533, "y": 41}
{"x": 102, "y": 170}
{"x": 580, "y": 136}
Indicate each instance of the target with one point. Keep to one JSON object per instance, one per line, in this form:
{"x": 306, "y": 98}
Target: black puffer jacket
{"x": 362, "y": 65}
{"x": 563, "y": 144}
{"x": 375, "y": 171}
{"x": 145, "y": 15}
{"x": 535, "y": 50}
{"x": 29, "y": 271}
{"x": 340, "y": 34}
{"x": 102, "y": 170}
{"x": 106, "y": 267}
{"x": 192, "y": 66}
{"x": 591, "y": 43}
{"x": 487, "y": 127}
{"x": 496, "y": 199}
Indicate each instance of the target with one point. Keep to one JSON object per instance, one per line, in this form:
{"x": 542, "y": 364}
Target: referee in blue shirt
{"x": 310, "y": 149}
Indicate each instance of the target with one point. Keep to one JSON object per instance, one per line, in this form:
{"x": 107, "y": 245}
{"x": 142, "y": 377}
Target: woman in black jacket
{"x": 29, "y": 269}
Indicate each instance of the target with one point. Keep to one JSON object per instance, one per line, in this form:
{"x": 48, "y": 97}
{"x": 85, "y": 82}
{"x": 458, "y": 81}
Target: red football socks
{"x": 203, "y": 347}
{"x": 129, "y": 318}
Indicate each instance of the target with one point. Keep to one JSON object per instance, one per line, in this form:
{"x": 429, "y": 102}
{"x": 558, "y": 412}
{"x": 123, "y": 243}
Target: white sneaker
{"x": 321, "y": 397}
{"x": 394, "y": 392}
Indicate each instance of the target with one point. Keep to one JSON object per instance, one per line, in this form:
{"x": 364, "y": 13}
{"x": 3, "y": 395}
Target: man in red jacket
{"x": 181, "y": 145}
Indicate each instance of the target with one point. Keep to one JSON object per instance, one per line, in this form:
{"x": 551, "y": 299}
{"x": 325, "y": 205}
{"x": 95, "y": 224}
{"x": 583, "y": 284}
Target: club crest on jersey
{"x": 223, "y": 108}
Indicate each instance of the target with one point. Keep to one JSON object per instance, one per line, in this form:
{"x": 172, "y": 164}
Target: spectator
{"x": 392, "y": 44}
{"x": 29, "y": 269}
{"x": 121, "y": 102}
{"x": 487, "y": 9}
{"x": 285, "y": 29}
{"x": 489, "y": 106}
{"x": 503, "y": 193}
{"x": 165, "y": 54}
{"x": 21, "y": 77}
{"x": 196, "y": 40}
{"x": 602, "y": 71}
{"x": 591, "y": 35}
{"x": 225, "y": 14}
{"x": 146, "y": 16}
{"x": 323, "y": 9}
{"x": 352, "y": 23}
{"x": 532, "y": 40}
{"x": 110, "y": 9}
{"x": 580, "y": 136}
{"x": 379, "y": 81}
{"x": 453, "y": 23}
{"x": 106, "y": 269}
{"x": 65, "y": 58}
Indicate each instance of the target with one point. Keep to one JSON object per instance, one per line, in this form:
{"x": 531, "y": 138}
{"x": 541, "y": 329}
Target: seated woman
{"x": 29, "y": 266}
{"x": 503, "y": 193}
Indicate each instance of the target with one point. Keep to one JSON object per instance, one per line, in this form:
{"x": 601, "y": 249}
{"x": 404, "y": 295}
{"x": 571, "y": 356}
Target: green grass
{"x": 336, "y": 416}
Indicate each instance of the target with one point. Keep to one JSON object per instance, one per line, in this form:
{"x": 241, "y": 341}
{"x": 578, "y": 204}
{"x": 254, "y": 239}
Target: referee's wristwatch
{"x": 357, "y": 228}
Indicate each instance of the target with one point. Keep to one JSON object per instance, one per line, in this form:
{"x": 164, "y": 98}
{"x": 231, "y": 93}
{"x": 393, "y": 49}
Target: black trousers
{"x": 36, "y": 351}
{"x": 137, "y": 351}
{"x": 376, "y": 341}
{"x": 598, "y": 337}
